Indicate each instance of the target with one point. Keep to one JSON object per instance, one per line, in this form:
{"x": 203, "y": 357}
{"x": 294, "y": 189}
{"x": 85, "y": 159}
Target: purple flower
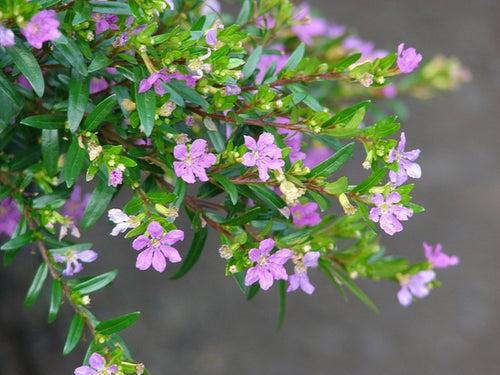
{"x": 98, "y": 85}
{"x": 293, "y": 140}
{"x": 305, "y": 214}
{"x": 76, "y": 204}
{"x": 263, "y": 154}
{"x": 23, "y": 81}
{"x": 408, "y": 59}
{"x": 308, "y": 26}
{"x": 266, "y": 61}
{"x": 390, "y": 91}
{"x": 415, "y": 286}
{"x": 268, "y": 267}
{"x": 316, "y": 155}
{"x": 300, "y": 278}
{"x": 97, "y": 366}
{"x": 122, "y": 221}
{"x": 41, "y": 28}
{"x": 104, "y": 22}
{"x": 406, "y": 163}
{"x": 265, "y": 21}
{"x": 157, "y": 247}
{"x": 389, "y": 212}
{"x": 366, "y": 48}
{"x": 210, "y": 6}
{"x": 115, "y": 177}
{"x": 7, "y": 37}
{"x": 157, "y": 80}
{"x": 9, "y": 216}
{"x": 189, "y": 120}
{"x": 211, "y": 37}
{"x": 73, "y": 258}
{"x": 437, "y": 258}
{"x": 193, "y": 163}
{"x": 232, "y": 90}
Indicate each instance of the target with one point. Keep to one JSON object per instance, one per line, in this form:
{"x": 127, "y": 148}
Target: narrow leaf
{"x": 117, "y": 324}
{"x": 27, "y": 64}
{"x": 95, "y": 283}
{"x": 228, "y": 186}
{"x": 334, "y": 162}
{"x": 295, "y": 58}
{"x": 77, "y": 100}
{"x": 71, "y": 53}
{"x": 252, "y": 62}
{"x": 146, "y": 107}
{"x": 51, "y": 121}
{"x": 55, "y": 300}
{"x": 36, "y": 285}
{"x": 50, "y": 150}
{"x": 194, "y": 253}
{"x": 282, "y": 305}
{"x": 18, "y": 241}
{"x": 75, "y": 158}
{"x": 99, "y": 201}
{"x": 74, "y": 334}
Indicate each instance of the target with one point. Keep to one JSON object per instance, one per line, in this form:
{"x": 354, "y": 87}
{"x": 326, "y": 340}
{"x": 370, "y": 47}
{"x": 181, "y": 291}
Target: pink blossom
{"x": 293, "y": 139}
{"x": 437, "y": 258}
{"x": 415, "y": 286}
{"x": 157, "y": 80}
{"x": 406, "y": 163}
{"x": 73, "y": 258}
{"x": 104, "y": 22}
{"x": 156, "y": 247}
{"x": 305, "y": 214}
{"x": 98, "y": 85}
{"x": 300, "y": 278}
{"x": 268, "y": 267}
{"x": 389, "y": 212}
{"x": 9, "y": 216}
{"x": 408, "y": 59}
{"x": 263, "y": 154}
{"x": 193, "y": 162}
{"x": 115, "y": 177}
{"x": 41, "y": 28}
{"x": 97, "y": 366}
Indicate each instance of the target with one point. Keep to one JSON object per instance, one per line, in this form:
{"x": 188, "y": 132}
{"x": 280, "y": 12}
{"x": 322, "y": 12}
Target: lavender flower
{"x": 265, "y": 21}
{"x": 97, "y": 366}
{"x": 68, "y": 225}
{"x": 232, "y": 90}
{"x": 157, "y": 80}
{"x": 21, "y": 80}
{"x": 268, "y": 267}
{"x": 406, "y": 163}
{"x": 266, "y": 61}
{"x": 316, "y": 155}
{"x": 408, "y": 59}
{"x": 390, "y": 91}
{"x": 300, "y": 278}
{"x": 389, "y": 213}
{"x": 122, "y": 221}
{"x": 211, "y": 37}
{"x": 305, "y": 214}
{"x": 415, "y": 286}
{"x": 366, "y": 48}
{"x": 293, "y": 140}
{"x": 308, "y": 27}
{"x": 104, "y": 22}
{"x": 437, "y": 258}
{"x": 157, "y": 247}
{"x": 41, "y": 28}
{"x": 115, "y": 177}
{"x": 263, "y": 154}
{"x": 7, "y": 37}
{"x": 9, "y": 216}
{"x": 193, "y": 163}
{"x": 76, "y": 204}
{"x": 98, "y": 85}
{"x": 73, "y": 258}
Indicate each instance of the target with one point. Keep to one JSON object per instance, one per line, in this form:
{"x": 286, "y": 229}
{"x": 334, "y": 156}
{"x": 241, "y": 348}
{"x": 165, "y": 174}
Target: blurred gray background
{"x": 202, "y": 325}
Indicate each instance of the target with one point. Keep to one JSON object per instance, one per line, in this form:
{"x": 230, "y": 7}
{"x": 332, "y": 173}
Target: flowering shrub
{"x": 248, "y": 123}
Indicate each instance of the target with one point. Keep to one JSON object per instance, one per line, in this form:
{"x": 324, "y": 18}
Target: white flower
{"x": 122, "y": 221}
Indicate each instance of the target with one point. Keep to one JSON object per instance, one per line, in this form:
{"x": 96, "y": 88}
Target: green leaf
{"x": 383, "y": 128}
{"x": 77, "y": 100}
{"x": 99, "y": 113}
{"x": 247, "y": 217}
{"x": 109, "y": 7}
{"x": 295, "y": 58}
{"x": 252, "y": 62}
{"x": 50, "y": 150}
{"x": 36, "y": 285}
{"x": 267, "y": 196}
{"x": 334, "y": 162}
{"x": 117, "y": 324}
{"x": 99, "y": 201}
{"x": 228, "y": 186}
{"x": 74, "y": 333}
{"x": 27, "y": 64}
{"x": 18, "y": 241}
{"x": 12, "y": 103}
{"x": 217, "y": 140}
{"x": 347, "y": 62}
{"x": 73, "y": 164}
{"x": 244, "y": 13}
{"x": 180, "y": 191}
{"x": 146, "y": 108}
{"x": 51, "y": 121}
{"x": 189, "y": 94}
{"x": 194, "y": 253}
{"x": 282, "y": 305}
{"x": 100, "y": 61}
{"x": 371, "y": 181}
{"x": 71, "y": 53}
{"x": 348, "y": 118}
{"x": 55, "y": 300}
{"x": 95, "y": 283}
{"x": 337, "y": 187}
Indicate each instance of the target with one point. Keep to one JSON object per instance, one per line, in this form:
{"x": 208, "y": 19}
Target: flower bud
{"x": 349, "y": 209}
